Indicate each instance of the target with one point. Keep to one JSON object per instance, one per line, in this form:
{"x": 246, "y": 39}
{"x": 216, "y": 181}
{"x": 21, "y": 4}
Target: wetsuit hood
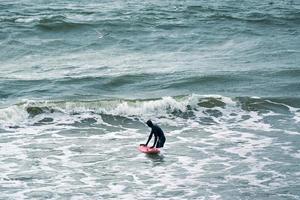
{"x": 149, "y": 123}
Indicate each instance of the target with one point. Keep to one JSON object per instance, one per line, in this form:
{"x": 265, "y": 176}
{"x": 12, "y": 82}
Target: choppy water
{"x": 78, "y": 80}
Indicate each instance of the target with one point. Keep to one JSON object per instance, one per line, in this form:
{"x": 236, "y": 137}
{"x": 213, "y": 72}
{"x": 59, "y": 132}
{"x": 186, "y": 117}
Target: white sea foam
{"x": 199, "y": 158}
{"x": 12, "y": 116}
{"x": 28, "y": 19}
{"x": 297, "y": 116}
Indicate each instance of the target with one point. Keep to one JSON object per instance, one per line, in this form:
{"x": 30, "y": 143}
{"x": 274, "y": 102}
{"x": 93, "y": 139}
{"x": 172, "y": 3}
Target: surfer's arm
{"x": 155, "y": 140}
{"x": 149, "y": 138}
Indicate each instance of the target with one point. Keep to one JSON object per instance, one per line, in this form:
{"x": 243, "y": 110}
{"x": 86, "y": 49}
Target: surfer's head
{"x": 149, "y": 123}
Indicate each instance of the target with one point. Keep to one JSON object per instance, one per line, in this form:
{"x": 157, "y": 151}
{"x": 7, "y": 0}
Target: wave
{"x": 159, "y": 18}
{"x": 125, "y": 79}
{"x": 205, "y": 79}
{"x": 59, "y": 22}
{"x": 293, "y": 72}
{"x": 202, "y": 109}
{"x": 70, "y": 21}
{"x": 277, "y": 15}
{"x": 255, "y": 17}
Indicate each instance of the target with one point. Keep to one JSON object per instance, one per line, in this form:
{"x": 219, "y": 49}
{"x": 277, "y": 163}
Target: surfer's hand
{"x": 152, "y": 147}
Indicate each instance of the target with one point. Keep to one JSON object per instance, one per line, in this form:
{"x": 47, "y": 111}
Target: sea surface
{"x": 78, "y": 80}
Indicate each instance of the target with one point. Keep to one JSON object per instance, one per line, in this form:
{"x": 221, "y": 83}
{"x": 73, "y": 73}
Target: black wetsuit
{"x": 159, "y": 137}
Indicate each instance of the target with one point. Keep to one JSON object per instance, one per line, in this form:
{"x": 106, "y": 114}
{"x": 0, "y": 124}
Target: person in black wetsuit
{"x": 159, "y": 137}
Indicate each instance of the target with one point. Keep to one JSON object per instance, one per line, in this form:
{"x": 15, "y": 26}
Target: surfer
{"x": 159, "y": 137}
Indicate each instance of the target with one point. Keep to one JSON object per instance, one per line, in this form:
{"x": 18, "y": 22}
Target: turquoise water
{"x": 79, "y": 79}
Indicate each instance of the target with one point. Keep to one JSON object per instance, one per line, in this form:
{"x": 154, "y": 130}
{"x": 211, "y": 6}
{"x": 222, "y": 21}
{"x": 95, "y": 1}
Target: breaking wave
{"x": 180, "y": 110}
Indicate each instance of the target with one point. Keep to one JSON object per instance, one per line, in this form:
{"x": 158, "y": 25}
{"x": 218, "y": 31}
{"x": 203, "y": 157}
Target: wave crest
{"x": 203, "y": 109}
{"x": 58, "y": 22}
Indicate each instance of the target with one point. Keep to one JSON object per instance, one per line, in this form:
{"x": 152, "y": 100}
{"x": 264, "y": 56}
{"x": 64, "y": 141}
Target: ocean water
{"x": 78, "y": 80}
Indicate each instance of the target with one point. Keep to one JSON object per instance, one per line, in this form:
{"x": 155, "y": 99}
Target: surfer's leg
{"x": 158, "y": 145}
{"x": 161, "y": 142}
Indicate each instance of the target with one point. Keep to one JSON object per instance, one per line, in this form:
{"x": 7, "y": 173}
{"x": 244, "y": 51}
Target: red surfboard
{"x": 148, "y": 150}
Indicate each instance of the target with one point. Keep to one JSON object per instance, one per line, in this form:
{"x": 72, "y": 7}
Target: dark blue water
{"x": 79, "y": 79}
